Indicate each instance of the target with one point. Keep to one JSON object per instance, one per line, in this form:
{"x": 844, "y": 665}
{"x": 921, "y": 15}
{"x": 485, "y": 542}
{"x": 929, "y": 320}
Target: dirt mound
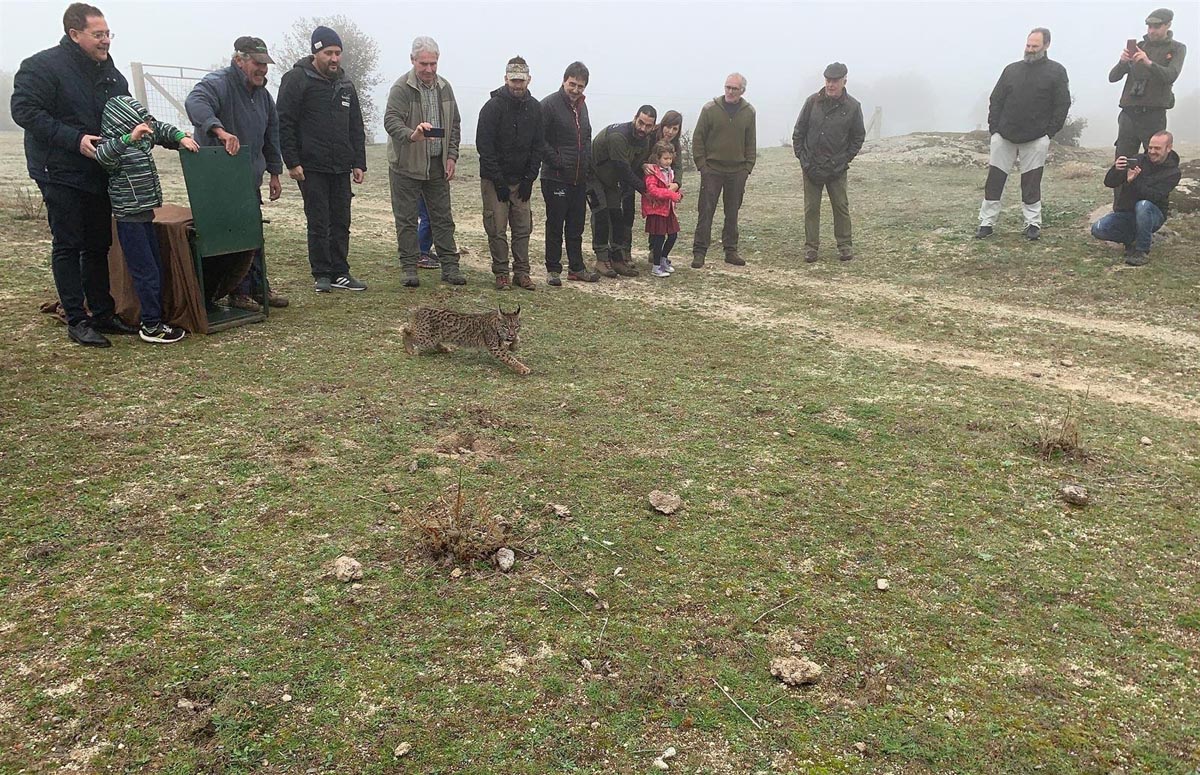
{"x": 961, "y": 149}
{"x": 1186, "y": 197}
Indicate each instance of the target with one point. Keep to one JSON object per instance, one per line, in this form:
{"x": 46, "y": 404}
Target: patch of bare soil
{"x": 963, "y": 149}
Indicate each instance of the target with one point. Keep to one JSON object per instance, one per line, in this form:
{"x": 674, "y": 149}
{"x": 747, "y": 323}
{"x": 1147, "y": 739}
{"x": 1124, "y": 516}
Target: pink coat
{"x": 659, "y": 199}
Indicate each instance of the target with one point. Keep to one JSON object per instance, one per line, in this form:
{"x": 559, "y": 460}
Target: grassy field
{"x": 170, "y": 514}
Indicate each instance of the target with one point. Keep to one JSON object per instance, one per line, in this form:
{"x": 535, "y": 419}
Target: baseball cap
{"x": 255, "y": 47}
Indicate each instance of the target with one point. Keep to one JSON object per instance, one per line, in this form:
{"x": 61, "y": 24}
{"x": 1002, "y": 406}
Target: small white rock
{"x": 456, "y": 573}
{"x": 402, "y": 749}
{"x": 505, "y": 558}
{"x": 1145, "y": 441}
{"x": 586, "y": 664}
{"x": 669, "y": 753}
{"x": 882, "y": 585}
{"x": 860, "y": 746}
{"x": 659, "y": 764}
{"x": 1067, "y": 362}
{"x": 1074, "y": 494}
{"x": 346, "y": 568}
{"x": 286, "y": 698}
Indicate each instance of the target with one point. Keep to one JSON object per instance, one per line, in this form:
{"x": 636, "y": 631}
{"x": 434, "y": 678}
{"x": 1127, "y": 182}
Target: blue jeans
{"x": 424, "y": 230}
{"x": 139, "y": 243}
{"x": 1131, "y": 228}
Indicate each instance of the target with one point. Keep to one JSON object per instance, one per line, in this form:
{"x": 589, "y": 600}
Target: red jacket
{"x": 659, "y": 199}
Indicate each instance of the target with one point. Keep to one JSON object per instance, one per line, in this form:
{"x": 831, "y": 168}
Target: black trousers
{"x": 613, "y": 212}
{"x": 81, "y": 227}
{"x": 1135, "y": 127}
{"x": 327, "y": 208}
{"x": 566, "y": 211}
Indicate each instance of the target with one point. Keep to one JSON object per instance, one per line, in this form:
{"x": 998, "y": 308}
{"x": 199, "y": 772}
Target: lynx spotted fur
{"x": 435, "y": 330}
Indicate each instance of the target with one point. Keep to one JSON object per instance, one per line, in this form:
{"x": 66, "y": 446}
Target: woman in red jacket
{"x": 658, "y": 207}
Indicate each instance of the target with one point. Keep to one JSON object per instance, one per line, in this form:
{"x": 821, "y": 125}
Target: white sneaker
{"x": 658, "y": 271}
{"x": 670, "y": 267}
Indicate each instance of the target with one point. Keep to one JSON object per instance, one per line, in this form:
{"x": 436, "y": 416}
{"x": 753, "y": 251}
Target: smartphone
{"x": 435, "y": 132}
{"x": 1131, "y": 46}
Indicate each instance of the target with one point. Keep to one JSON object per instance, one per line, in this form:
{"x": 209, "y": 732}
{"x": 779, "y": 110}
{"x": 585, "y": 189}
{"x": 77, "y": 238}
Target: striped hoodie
{"x": 133, "y": 183}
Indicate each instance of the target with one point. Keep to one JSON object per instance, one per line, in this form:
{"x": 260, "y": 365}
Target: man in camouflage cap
{"x": 1149, "y": 71}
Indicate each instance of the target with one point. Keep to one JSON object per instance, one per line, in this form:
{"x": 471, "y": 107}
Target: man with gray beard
{"x": 1028, "y": 106}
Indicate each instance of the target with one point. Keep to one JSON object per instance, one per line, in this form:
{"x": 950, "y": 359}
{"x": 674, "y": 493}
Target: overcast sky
{"x": 929, "y": 65}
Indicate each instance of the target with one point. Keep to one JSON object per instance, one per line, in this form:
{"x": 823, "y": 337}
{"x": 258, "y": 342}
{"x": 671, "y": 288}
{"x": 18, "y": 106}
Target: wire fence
{"x": 163, "y": 89}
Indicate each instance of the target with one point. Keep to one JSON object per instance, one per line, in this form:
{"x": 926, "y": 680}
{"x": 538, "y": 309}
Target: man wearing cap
{"x": 1143, "y": 186}
{"x": 618, "y": 152}
{"x": 323, "y": 144}
{"x": 424, "y": 128}
{"x": 1149, "y": 71}
{"x": 58, "y": 97}
{"x": 1027, "y": 107}
{"x": 232, "y": 108}
{"x": 509, "y": 139}
{"x": 829, "y": 133}
{"x": 724, "y": 147}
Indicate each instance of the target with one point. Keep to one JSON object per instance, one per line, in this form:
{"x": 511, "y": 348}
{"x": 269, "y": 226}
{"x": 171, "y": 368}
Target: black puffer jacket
{"x": 567, "y": 140}
{"x": 509, "y": 138}
{"x": 829, "y": 133}
{"x": 58, "y": 97}
{"x": 320, "y": 121}
{"x": 1155, "y": 183}
{"x": 1031, "y": 99}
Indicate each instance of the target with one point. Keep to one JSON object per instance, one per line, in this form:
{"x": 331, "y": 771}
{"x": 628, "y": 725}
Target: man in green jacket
{"x": 829, "y": 134}
{"x": 1149, "y": 70}
{"x": 724, "y": 147}
{"x": 424, "y": 128}
{"x": 618, "y": 152}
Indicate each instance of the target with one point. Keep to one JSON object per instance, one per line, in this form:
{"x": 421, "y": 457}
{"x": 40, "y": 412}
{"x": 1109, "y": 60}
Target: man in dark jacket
{"x": 1149, "y": 70}
{"x": 566, "y": 165}
{"x": 618, "y": 152}
{"x": 509, "y": 140}
{"x": 232, "y": 108}
{"x": 1028, "y": 107}
{"x": 323, "y": 144}
{"x": 58, "y": 97}
{"x": 1143, "y": 189}
{"x": 829, "y": 134}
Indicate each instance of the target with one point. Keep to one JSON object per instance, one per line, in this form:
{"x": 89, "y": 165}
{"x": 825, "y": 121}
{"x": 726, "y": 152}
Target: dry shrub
{"x": 453, "y": 529}
{"x": 27, "y": 205}
{"x": 1051, "y": 438}
{"x": 1076, "y": 170}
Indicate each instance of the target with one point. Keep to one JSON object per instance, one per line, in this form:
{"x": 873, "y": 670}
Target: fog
{"x": 928, "y": 66}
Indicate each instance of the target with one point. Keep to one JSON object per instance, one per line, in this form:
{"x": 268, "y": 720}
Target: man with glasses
{"x": 58, "y": 96}
{"x": 1149, "y": 69}
{"x": 724, "y": 147}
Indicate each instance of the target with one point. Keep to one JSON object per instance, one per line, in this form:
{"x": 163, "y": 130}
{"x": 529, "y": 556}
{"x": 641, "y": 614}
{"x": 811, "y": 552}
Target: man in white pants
{"x": 1028, "y": 106}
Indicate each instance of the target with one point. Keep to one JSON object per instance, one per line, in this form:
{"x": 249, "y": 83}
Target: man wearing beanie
{"x": 829, "y": 133}
{"x": 1027, "y": 107}
{"x": 1149, "y": 70}
{"x": 323, "y": 144}
{"x": 509, "y": 139}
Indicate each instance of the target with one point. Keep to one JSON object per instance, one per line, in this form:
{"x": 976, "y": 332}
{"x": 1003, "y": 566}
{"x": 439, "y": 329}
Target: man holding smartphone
{"x": 1149, "y": 69}
{"x": 1143, "y": 189}
{"x": 424, "y": 127}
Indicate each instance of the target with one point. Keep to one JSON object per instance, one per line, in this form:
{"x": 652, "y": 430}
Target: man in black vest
{"x": 1149, "y": 70}
{"x": 58, "y": 97}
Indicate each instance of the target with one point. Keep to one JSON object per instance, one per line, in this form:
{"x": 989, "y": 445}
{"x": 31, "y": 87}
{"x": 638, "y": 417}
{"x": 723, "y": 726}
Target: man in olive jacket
{"x": 829, "y": 133}
{"x": 1028, "y": 106}
{"x": 58, "y": 97}
{"x": 424, "y": 128}
{"x": 724, "y": 147}
{"x": 618, "y": 152}
{"x": 509, "y": 139}
{"x": 1149, "y": 71}
{"x": 323, "y": 143}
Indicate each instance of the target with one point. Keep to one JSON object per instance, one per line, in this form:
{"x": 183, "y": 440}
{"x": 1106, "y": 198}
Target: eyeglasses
{"x": 733, "y": 88}
{"x": 101, "y": 35}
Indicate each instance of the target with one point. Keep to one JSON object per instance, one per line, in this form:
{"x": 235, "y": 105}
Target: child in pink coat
{"x": 658, "y": 207}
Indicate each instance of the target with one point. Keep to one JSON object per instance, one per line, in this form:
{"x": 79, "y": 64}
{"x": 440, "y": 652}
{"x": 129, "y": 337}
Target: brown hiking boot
{"x": 584, "y": 276}
{"x": 502, "y": 283}
{"x": 624, "y": 269}
{"x": 524, "y": 281}
{"x": 605, "y": 268}
{"x": 697, "y": 261}
{"x": 735, "y": 259}
{"x": 846, "y": 253}
{"x": 242, "y": 301}
{"x": 810, "y": 255}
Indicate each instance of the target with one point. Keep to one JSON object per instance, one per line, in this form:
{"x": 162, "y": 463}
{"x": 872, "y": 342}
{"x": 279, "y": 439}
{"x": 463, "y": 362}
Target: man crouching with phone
{"x": 1143, "y": 188}
{"x": 424, "y": 127}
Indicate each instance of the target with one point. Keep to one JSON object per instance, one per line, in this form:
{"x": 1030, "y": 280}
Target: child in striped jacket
{"x": 130, "y": 134}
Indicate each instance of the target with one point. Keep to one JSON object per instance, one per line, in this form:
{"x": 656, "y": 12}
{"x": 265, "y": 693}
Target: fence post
{"x": 139, "y": 83}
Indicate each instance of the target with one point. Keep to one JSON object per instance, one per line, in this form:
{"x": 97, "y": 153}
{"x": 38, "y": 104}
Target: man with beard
{"x": 58, "y": 97}
{"x": 323, "y": 143}
{"x": 232, "y": 108}
{"x": 829, "y": 133}
{"x": 1143, "y": 188}
{"x": 1027, "y": 107}
{"x": 509, "y": 139}
{"x": 618, "y": 152}
{"x": 1149, "y": 70}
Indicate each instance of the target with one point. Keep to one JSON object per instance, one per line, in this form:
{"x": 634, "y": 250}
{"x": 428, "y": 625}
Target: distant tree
{"x": 1071, "y": 131}
{"x": 360, "y": 58}
{"x": 6, "y": 89}
{"x": 685, "y": 147}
